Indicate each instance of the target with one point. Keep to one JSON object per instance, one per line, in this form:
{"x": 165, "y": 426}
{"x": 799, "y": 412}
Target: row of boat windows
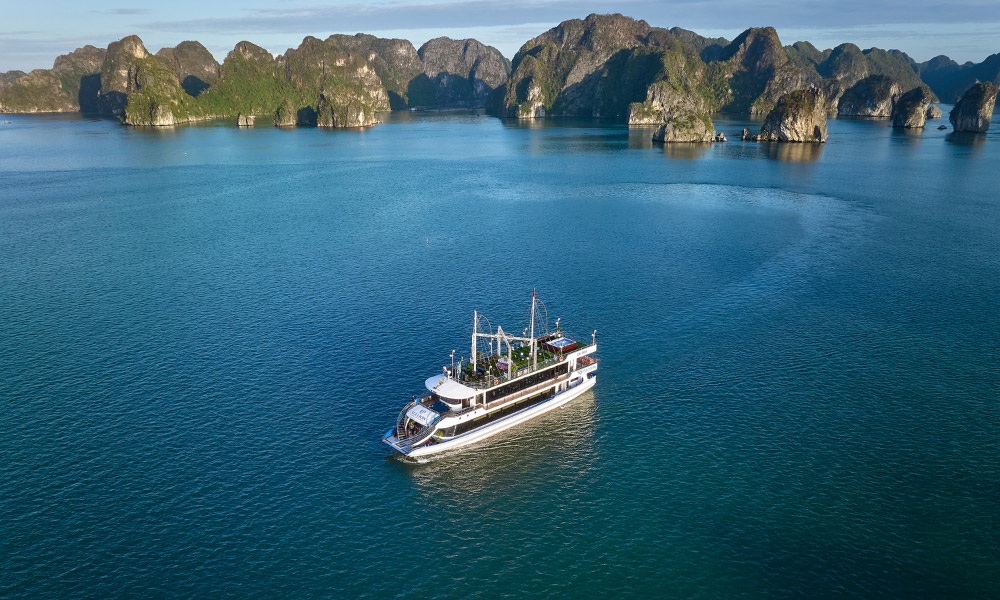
{"x": 526, "y": 382}
{"x": 497, "y": 414}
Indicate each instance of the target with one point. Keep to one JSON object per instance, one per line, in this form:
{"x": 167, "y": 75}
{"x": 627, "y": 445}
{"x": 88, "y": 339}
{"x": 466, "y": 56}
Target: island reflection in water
{"x": 793, "y": 151}
{"x": 685, "y": 150}
{"x": 559, "y": 445}
{"x": 908, "y": 133}
{"x": 965, "y": 138}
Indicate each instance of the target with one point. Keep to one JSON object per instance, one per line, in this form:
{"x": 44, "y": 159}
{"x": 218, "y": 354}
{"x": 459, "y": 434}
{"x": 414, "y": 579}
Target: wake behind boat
{"x": 516, "y": 379}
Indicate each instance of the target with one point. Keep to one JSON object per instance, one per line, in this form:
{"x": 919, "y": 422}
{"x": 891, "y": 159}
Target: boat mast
{"x": 534, "y": 356}
{"x": 475, "y": 323}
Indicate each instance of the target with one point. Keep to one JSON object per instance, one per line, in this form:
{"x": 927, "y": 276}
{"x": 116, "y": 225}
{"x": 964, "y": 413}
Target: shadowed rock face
{"x": 949, "y": 80}
{"x": 974, "y": 111}
{"x": 934, "y": 112}
{"x": 846, "y": 65}
{"x": 195, "y": 66}
{"x": 117, "y": 74}
{"x": 462, "y": 72}
{"x": 601, "y": 66}
{"x": 72, "y": 84}
{"x": 799, "y": 116}
{"x": 910, "y": 110}
{"x": 142, "y": 89}
{"x": 557, "y": 73}
{"x": 598, "y": 66}
{"x": 873, "y": 96}
{"x": 759, "y": 71}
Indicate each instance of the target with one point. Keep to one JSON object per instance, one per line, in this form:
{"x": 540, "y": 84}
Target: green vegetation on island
{"x": 603, "y": 66}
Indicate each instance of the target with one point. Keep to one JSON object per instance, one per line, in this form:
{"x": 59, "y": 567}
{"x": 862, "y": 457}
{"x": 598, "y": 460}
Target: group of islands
{"x": 604, "y": 66}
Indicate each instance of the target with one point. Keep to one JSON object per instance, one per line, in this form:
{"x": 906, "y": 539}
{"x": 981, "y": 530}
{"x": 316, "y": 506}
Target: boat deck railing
{"x": 489, "y": 380}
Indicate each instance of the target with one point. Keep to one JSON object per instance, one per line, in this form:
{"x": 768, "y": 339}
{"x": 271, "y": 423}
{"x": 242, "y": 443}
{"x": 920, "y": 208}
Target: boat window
{"x": 526, "y": 382}
{"x": 503, "y": 412}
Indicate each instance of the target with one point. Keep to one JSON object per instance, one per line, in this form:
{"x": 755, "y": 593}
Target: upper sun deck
{"x": 494, "y": 369}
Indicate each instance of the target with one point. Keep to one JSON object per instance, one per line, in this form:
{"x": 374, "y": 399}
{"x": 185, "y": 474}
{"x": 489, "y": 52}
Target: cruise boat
{"x": 508, "y": 380}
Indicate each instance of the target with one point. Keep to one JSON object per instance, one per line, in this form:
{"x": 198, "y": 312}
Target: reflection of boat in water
{"x": 558, "y": 450}
{"x": 519, "y": 378}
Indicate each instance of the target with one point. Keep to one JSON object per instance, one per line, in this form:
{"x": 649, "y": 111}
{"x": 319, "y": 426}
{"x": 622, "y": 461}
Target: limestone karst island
{"x": 605, "y": 66}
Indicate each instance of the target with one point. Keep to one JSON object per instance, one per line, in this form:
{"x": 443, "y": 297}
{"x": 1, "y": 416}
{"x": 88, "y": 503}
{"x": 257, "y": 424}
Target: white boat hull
{"x": 481, "y": 434}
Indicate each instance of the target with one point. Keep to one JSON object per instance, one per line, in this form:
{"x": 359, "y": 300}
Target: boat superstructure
{"x": 508, "y": 379}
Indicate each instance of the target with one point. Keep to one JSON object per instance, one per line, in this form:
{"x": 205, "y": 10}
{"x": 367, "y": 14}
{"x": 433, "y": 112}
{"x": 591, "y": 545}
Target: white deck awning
{"x": 422, "y": 414}
{"x": 448, "y": 388}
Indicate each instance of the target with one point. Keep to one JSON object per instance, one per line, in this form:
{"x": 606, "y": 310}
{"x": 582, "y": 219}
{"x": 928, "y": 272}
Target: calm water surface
{"x": 204, "y": 332}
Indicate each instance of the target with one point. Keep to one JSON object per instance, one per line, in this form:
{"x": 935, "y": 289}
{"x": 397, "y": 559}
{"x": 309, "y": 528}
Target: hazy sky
{"x": 32, "y": 35}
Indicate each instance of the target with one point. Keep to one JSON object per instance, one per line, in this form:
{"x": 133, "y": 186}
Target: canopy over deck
{"x": 448, "y": 388}
{"x": 422, "y": 415}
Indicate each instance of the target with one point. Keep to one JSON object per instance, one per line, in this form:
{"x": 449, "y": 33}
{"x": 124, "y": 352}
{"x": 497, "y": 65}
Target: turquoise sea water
{"x": 204, "y": 332}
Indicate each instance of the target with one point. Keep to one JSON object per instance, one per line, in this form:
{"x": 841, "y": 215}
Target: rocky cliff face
{"x": 559, "y": 72}
{"x": 599, "y": 66}
{"x": 395, "y": 62}
{"x": 873, "y": 96}
{"x": 681, "y": 114}
{"x": 684, "y": 118}
{"x": 934, "y": 112}
{"x": 846, "y": 65}
{"x": 443, "y": 73}
{"x": 910, "y": 110}
{"x": 759, "y": 71}
{"x": 799, "y": 116}
{"x": 117, "y": 74}
{"x": 342, "y": 84}
{"x": 196, "y": 68}
{"x": 320, "y": 83}
{"x": 975, "y": 109}
{"x": 674, "y": 93}
{"x": 708, "y": 49}
{"x": 603, "y": 67}
{"x": 10, "y": 77}
{"x": 285, "y": 115}
{"x": 250, "y": 81}
{"x": 462, "y": 72}
{"x": 72, "y": 84}
{"x": 807, "y": 57}
{"x": 142, "y": 89}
